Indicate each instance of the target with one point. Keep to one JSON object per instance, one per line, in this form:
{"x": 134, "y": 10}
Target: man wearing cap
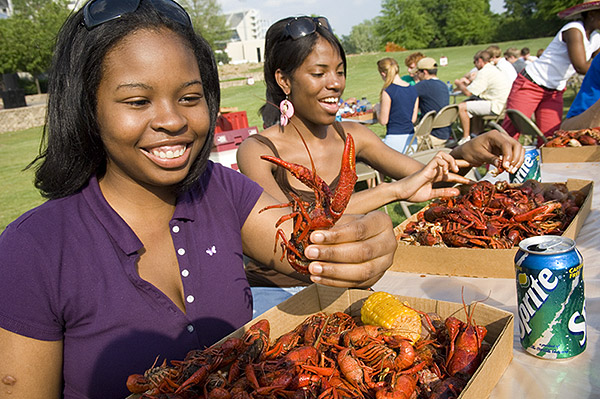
{"x": 433, "y": 96}
{"x": 488, "y": 93}
{"x": 540, "y": 86}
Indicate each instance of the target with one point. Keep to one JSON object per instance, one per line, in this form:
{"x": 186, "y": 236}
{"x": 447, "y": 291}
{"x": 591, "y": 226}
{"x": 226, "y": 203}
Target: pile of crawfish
{"x": 326, "y": 356}
{"x": 500, "y": 215}
{"x": 574, "y": 138}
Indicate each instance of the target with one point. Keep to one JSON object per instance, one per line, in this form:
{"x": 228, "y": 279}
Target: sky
{"x": 342, "y": 15}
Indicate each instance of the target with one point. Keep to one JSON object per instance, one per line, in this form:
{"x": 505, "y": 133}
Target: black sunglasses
{"x": 97, "y": 12}
{"x": 304, "y": 26}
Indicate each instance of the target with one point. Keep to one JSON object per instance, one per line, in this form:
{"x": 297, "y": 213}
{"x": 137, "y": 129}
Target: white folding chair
{"x": 421, "y": 135}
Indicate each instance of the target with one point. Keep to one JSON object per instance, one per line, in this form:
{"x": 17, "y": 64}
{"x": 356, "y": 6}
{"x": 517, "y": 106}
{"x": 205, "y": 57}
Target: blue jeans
{"x": 265, "y": 298}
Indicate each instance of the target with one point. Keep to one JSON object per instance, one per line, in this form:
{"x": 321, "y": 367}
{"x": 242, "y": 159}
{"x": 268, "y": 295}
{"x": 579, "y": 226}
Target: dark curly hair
{"x": 72, "y": 150}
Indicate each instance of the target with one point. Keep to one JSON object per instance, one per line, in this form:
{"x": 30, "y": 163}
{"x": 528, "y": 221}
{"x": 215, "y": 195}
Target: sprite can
{"x": 550, "y": 297}
{"x": 530, "y": 168}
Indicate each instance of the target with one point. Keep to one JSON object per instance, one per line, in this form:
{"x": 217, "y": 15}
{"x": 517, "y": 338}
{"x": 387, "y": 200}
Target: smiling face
{"x": 151, "y": 110}
{"x": 316, "y": 86}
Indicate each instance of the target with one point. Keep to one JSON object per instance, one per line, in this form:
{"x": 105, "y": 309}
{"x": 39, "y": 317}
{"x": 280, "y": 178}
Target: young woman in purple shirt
{"x": 138, "y": 252}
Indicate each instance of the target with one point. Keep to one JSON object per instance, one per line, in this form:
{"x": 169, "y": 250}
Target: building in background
{"x": 247, "y": 42}
{"x": 5, "y": 9}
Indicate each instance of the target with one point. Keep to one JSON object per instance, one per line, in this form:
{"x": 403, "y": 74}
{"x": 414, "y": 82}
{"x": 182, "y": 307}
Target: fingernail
{"x": 318, "y": 238}
{"x": 316, "y": 268}
{"x": 312, "y": 252}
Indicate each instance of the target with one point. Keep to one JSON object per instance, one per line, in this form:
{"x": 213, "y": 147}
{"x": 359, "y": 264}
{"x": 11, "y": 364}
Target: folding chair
{"x": 446, "y": 117}
{"x": 525, "y": 126}
{"x": 365, "y": 172}
{"x": 422, "y": 131}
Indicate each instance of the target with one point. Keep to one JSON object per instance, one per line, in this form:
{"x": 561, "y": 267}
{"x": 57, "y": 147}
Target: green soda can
{"x": 550, "y": 297}
{"x": 530, "y": 168}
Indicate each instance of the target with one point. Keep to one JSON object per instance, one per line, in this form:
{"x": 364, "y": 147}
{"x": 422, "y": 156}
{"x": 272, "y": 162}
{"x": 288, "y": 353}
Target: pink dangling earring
{"x": 287, "y": 111}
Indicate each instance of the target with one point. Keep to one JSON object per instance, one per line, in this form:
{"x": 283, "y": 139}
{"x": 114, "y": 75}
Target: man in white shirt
{"x": 489, "y": 91}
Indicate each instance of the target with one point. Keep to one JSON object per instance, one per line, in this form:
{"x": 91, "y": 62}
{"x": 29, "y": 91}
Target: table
{"x": 528, "y": 376}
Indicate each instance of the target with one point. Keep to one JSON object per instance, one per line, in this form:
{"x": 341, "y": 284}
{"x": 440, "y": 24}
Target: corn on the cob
{"x": 385, "y": 310}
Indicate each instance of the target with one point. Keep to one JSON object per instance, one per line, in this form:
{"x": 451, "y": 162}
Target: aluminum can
{"x": 530, "y": 168}
{"x": 550, "y": 297}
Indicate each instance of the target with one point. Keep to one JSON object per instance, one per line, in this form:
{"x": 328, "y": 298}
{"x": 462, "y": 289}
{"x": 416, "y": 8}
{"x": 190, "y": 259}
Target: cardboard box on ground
{"x": 476, "y": 262}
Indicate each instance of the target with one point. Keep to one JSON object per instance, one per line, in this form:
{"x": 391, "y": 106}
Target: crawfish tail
{"x": 347, "y": 179}
{"x": 301, "y": 173}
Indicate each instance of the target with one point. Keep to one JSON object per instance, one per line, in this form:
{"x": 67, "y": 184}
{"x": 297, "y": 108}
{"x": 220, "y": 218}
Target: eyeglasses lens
{"x": 304, "y": 26}
{"x": 172, "y": 10}
{"x": 97, "y": 12}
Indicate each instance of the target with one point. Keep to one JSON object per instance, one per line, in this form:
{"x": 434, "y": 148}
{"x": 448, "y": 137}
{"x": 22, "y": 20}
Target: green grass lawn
{"x": 17, "y": 149}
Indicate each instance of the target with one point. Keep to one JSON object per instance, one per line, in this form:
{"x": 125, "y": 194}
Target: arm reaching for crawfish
{"x": 493, "y": 147}
{"x": 419, "y": 186}
{"x": 355, "y": 252}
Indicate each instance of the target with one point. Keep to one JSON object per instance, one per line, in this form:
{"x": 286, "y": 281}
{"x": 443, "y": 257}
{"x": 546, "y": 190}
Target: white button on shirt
{"x": 190, "y": 298}
{"x": 175, "y": 229}
{"x": 181, "y": 251}
{"x": 190, "y": 328}
{"x": 185, "y": 272}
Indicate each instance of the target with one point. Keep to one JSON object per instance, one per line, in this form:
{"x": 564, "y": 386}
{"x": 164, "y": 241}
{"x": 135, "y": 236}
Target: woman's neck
{"x": 137, "y": 203}
{"x": 302, "y": 125}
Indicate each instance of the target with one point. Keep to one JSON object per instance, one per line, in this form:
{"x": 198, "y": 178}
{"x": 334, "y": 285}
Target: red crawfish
{"x": 322, "y": 214}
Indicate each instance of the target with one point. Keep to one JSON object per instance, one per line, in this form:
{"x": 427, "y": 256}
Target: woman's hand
{"x": 353, "y": 253}
{"x": 418, "y": 187}
{"x": 493, "y": 147}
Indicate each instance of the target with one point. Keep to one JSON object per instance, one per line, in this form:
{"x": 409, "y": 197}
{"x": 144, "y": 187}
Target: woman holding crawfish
{"x": 138, "y": 251}
{"x": 305, "y": 67}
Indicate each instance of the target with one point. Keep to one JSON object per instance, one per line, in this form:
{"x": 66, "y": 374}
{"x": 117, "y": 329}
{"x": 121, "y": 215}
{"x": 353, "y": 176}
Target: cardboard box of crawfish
{"x": 498, "y": 341}
{"x": 572, "y": 146}
{"x": 482, "y": 229}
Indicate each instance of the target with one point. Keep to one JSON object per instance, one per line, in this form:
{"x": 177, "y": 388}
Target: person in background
{"x": 398, "y": 108}
{"x": 512, "y": 55}
{"x": 584, "y": 112}
{"x": 433, "y": 96}
{"x": 487, "y": 94}
{"x": 501, "y": 63}
{"x": 525, "y": 59}
{"x": 305, "y": 69}
{"x": 540, "y": 86}
{"x": 411, "y": 62}
{"x": 137, "y": 254}
{"x": 539, "y": 53}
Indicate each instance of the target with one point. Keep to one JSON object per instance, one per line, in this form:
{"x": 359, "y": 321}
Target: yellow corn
{"x": 385, "y": 310}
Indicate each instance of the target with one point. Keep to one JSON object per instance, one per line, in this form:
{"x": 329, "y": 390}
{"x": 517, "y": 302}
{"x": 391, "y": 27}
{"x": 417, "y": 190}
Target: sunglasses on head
{"x": 97, "y": 12}
{"x": 303, "y": 26}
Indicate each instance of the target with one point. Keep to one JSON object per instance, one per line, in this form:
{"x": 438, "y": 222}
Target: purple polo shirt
{"x": 68, "y": 273}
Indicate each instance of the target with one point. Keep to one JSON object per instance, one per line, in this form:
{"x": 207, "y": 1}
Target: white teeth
{"x": 330, "y": 100}
{"x": 169, "y": 154}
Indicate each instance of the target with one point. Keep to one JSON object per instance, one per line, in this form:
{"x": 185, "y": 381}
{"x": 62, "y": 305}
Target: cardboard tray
{"x": 590, "y": 153}
{"x": 317, "y": 298}
{"x": 476, "y": 262}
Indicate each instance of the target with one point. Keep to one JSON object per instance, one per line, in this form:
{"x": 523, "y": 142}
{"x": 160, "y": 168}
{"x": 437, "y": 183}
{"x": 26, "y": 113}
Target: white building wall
{"x": 246, "y": 51}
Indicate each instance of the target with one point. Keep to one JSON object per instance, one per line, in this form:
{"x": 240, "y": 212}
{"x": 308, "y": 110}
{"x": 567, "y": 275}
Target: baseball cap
{"x": 426, "y": 63}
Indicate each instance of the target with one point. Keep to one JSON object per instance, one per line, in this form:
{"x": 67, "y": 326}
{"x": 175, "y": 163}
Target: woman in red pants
{"x": 539, "y": 87}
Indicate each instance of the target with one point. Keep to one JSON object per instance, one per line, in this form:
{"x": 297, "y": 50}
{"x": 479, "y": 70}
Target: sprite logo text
{"x": 523, "y": 172}
{"x": 534, "y": 298}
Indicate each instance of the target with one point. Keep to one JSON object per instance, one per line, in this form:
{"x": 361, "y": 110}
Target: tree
{"x": 28, "y": 37}
{"x": 436, "y": 23}
{"x": 406, "y": 23}
{"x": 362, "y": 39}
{"x": 468, "y": 22}
{"x": 209, "y": 21}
